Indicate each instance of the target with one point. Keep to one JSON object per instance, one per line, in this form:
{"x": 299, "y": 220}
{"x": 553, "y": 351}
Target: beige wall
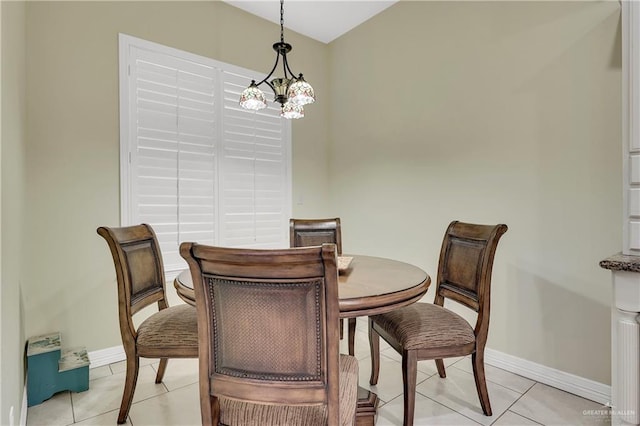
{"x": 12, "y": 167}
{"x": 518, "y": 122}
{"x": 491, "y": 112}
{"x": 73, "y": 163}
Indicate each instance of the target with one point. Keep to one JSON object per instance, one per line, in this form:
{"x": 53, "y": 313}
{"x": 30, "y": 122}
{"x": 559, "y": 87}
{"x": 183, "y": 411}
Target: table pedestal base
{"x": 367, "y": 407}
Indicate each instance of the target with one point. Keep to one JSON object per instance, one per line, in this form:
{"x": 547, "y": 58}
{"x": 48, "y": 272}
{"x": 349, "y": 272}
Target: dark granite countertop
{"x": 621, "y": 262}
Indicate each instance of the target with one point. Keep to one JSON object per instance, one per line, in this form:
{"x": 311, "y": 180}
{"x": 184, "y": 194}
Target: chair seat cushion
{"x": 170, "y": 333}
{"x": 234, "y": 412}
{"x": 425, "y": 325}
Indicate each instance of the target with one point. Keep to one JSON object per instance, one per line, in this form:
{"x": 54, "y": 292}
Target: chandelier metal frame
{"x": 290, "y": 91}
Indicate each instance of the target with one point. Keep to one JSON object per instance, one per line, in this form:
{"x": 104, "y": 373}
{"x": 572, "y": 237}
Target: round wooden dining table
{"x": 367, "y": 286}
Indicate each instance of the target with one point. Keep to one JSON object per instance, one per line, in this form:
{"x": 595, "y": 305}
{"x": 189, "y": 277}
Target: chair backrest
{"x": 464, "y": 269}
{"x": 267, "y": 324}
{"x": 314, "y": 232}
{"x": 139, "y": 272}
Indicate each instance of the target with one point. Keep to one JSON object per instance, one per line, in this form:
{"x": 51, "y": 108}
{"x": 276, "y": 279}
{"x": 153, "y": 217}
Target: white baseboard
{"x": 106, "y": 356}
{"x": 571, "y": 383}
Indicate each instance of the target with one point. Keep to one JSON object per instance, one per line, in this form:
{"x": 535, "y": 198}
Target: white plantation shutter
{"x": 194, "y": 165}
{"x": 174, "y": 150}
{"x": 253, "y": 188}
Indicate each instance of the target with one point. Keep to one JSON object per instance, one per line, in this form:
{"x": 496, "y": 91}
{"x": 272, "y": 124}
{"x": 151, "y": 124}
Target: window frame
{"x": 128, "y": 141}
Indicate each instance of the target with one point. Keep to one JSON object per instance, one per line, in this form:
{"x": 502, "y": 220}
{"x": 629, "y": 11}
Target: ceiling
{"x": 322, "y": 20}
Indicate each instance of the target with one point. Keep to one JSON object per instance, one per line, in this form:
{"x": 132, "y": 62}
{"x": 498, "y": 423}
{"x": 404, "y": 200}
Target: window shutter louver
{"x": 176, "y": 143}
{"x": 201, "y": 168}
{"x": 253, "y": 185}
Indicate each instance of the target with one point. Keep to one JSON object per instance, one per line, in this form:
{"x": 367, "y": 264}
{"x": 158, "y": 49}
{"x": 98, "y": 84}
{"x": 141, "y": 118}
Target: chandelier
{"x": 290, "y": 91}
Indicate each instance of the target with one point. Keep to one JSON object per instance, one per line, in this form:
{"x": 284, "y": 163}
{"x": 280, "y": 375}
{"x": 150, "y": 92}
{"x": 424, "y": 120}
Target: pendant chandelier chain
{"x": 282, "y": 21}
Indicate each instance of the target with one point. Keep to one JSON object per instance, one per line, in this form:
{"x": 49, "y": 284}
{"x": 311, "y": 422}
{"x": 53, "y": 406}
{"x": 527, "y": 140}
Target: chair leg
{"x": 341, "y": 328}
{"x": 477, "y": 360}
{"x": 352, "y": 336}
{"x": 210, "y": 410}
{"x": 409, "y": 378}
{"x": 133, "y": 363}
{"x": 374, "y": 346}
{"x": 161, "y": 369}
{"x": 440, "y": 366}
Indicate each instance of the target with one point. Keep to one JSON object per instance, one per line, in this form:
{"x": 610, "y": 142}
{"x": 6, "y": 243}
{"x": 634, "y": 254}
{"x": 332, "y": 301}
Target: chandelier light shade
{"x": 253, "y": 98}
{"x": 289, "y": 91}
{"x": 291, "y": 110}
{"x": 301, "y": 92}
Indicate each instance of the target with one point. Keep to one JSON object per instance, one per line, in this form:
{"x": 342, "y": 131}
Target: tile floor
{"x": 452, "y": 401}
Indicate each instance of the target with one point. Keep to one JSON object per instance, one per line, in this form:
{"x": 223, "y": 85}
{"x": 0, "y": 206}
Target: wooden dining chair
{"x": 313, "y": 232}
{"x": 425, "y": 331}
{"x": 171, "y": 332}
{"x": 268, "y": 326}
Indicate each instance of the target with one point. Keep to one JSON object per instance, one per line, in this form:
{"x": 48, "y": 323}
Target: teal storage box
{"x": 51, "y": 370}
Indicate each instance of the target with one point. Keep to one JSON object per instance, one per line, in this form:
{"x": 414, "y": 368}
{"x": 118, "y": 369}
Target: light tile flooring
{"x": 515, "y": 400}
